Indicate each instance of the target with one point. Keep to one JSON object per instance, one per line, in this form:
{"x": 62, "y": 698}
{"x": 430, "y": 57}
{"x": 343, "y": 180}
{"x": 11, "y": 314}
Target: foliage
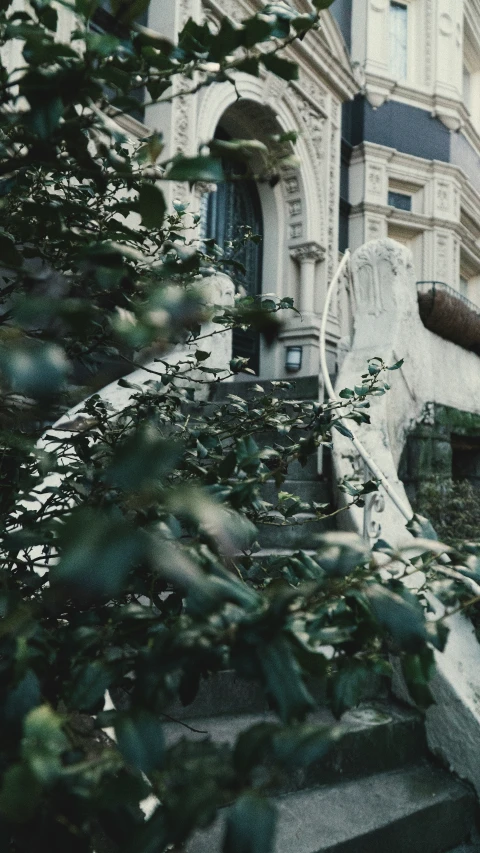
{"x": 453, "y": 506}
{"x": 128, "y": 558}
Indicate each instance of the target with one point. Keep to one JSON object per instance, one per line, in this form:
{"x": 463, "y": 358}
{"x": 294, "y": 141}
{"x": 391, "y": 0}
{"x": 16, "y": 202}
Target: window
{"x": 463, "y": 285}
{"x": 398, "y": 39}
{"x": 402, "y": 201}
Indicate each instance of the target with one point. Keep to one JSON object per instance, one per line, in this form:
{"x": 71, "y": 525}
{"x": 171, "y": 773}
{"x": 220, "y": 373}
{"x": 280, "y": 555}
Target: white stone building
{"x": 388, "y": 108}
{"x": 413, "y": 133}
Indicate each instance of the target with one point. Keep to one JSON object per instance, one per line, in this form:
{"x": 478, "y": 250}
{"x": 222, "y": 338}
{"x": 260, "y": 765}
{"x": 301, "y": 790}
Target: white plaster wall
{"x": 388, "y": 325}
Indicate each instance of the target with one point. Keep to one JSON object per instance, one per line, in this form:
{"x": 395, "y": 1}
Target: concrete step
{"x": 225, "y": 693}
{"x": 302, "y": 531}
{"x": 418, "y": 809}
{"x": 318, "y": 490}
{"x": 302, "y": 388}
{"x": 373, "y": 739}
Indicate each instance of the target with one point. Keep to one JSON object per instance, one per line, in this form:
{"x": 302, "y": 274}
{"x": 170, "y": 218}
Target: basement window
{"x": 402, "y": 201}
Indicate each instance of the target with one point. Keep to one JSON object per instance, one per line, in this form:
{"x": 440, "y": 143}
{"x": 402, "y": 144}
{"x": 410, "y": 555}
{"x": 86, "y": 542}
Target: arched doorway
{"x": 232, "y": 216}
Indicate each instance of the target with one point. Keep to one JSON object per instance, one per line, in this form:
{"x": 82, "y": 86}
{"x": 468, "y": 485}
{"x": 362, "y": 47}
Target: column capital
{"x": 311, "y": 251}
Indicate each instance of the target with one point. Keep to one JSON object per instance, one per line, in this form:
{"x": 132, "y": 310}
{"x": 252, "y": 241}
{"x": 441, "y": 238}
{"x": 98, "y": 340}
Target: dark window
{"x": 233, "y": 207}
{"x": 400, "y": 200}
{"x": 466, "y": 458}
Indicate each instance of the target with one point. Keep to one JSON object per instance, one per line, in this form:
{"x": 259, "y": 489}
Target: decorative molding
{"x": 441, "y": 257}
{"x": 333, "y": 193}
{"x": 374, "y": 179}
{"x": 295, "y": 207}
{"x": 374, "y": 503}
{"x": 310, "y": 251}
{"x": 295, "y": 230}
{"x": 443, "y": 196}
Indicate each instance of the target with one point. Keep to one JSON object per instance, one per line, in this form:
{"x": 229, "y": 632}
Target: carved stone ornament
{"x": 310, "y": 251}
{"x": 372, "y": 527}
{"x": 428, "y": 415}
{"x": 446, "y": 24}
{"x": 375, "y": 267}
{"x": 443, "y": 196}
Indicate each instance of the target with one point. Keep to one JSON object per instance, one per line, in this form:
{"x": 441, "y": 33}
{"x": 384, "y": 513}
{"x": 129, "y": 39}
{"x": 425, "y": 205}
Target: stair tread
{"x": 225, "y": 728}
{"x": 353, "y": 809}
{"x": 375, "y": 813}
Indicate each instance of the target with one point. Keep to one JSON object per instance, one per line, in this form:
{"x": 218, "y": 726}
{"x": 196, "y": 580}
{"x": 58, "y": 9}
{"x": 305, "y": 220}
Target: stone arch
{"x": 294, "y": 209}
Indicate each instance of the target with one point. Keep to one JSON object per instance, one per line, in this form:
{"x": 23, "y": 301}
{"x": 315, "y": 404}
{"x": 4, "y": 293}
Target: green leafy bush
{"x": 453, "y": 507}
{"x": 127, "y": 549}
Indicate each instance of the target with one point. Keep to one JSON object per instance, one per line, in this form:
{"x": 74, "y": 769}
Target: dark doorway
{"x": 232, "y": 211}
{"x": 466, "y": 458}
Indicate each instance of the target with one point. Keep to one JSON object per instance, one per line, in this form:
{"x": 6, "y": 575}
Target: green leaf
{"x": 400, "y": 613}
{"x": 252, "y": 745}
{"x": 152, "y": 207}
{"x": 341, "y": 553}
{"x": 342, "y": 429}
{"x": 88, "y": 686}
{"x": 43, "y": 744}
{"x": 140, "y": 739}
{"x": 33, "y": 368}
{"x": 422, "y": 528}
{"x": 20, "y": 793}
{"x": 104, "y": 44}
{"x": 346, "y": 393}
{"x": 44, "y": 116}
{"x": 10, "y": 256}
{"x": 283, "y": 680}
{"x": 417, "y": 671}
{"x": 397, "y": 365}
{"x": 144, "y": 458}
{"x": 349, "y": 685}
{"x": 193, "y": 169}
{"x": 250, "y": 825}
{"x": 23, "y": 697}
{"x": 202, "y": 355}
{"x": 281, "y": 67}
{"x": 300, "y": 746}
{"x": 97, "y": 552}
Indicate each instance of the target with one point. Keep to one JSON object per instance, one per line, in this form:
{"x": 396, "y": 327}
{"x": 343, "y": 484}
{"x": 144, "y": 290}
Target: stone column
{"x": 307, "y": 255}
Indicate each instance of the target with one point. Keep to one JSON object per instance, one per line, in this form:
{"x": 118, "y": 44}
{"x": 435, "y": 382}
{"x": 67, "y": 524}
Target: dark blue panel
{"x": 407, "y": 129}
{"x": 342, "y": 12}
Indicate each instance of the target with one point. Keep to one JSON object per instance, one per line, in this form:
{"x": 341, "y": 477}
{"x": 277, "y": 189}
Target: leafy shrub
{"x": 453, "y": 507}
{"x": 127, "y": 549}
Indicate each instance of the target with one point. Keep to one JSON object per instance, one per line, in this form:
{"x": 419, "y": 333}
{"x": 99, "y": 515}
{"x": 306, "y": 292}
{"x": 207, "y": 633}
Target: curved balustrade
{"x": 436, "y": 370}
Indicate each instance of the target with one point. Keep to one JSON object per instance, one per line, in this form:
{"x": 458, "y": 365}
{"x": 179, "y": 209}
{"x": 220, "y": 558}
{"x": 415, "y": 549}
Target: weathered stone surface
{"x": 416, "y": 810}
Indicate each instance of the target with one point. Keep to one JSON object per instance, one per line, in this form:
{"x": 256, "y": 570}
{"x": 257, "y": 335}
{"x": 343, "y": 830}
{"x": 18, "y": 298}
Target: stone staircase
{"x": 304, "y": 481}
{"x": 378, "y": 790}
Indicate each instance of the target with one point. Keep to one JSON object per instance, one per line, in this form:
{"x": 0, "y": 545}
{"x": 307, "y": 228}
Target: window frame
{"x": 393, "y": 70}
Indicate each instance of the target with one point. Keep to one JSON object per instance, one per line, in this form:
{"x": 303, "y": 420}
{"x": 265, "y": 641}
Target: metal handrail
{"x": 363, "y": 452}
{"x": 447, "y": 288}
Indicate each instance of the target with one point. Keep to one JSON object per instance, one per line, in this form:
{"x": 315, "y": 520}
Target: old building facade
{"x": 412, "y": 135}
{"x": 388, "y": 108}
